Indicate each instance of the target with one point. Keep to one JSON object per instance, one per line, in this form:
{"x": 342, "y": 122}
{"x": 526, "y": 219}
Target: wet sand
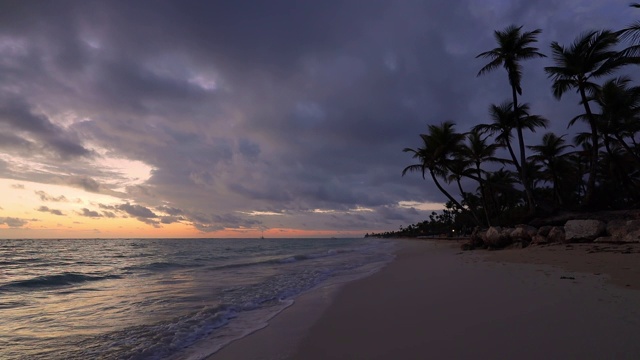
{"x": 434, "y": 301}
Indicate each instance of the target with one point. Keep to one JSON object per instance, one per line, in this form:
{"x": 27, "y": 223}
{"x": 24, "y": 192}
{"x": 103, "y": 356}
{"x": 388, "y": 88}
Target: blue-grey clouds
{"x": 278, "y": 106}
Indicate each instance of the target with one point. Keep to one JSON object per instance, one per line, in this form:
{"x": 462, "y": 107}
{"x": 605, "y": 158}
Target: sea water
{"x": 158, "y": 299}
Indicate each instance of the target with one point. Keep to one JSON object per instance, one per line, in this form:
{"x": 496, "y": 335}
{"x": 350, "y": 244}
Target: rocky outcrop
{"x": 621, "y": 227}
{"x": 556, "y": 234}
{"x": 584, "y": 230}
{"x": 523, "y": 233}
{"x": 496, "y": 237}
{"x": 624, "y": 230}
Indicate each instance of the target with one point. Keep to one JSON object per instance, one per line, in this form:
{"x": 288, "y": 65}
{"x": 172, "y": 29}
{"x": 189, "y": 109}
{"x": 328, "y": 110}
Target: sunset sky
{"x": 228, "y": 118}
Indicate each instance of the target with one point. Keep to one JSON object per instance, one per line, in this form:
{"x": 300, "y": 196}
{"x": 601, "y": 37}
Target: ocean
{"x": 160, "y": 298}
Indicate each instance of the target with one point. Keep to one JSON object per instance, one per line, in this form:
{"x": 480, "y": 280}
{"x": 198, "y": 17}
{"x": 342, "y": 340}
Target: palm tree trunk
{"x": 513, "y": 156}
{"x": 464, "y": 197}
{"x": 626, "y": 147}
{"x": 556, "y": 188}
{"x": 482, "y": 197}
{"x": 593, "y": 165}
{"x": 523, "y": 168}
{"x": 446, "y": 193}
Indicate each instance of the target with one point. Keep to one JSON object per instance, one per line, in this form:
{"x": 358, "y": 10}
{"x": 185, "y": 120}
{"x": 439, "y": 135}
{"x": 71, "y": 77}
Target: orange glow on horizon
{"x": 44, "y": 211}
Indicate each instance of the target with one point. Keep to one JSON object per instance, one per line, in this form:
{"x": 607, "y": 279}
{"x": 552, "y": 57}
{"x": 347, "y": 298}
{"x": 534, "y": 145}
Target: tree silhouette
{"x": 589, "y": 57}
{"x": 513, "y": 47}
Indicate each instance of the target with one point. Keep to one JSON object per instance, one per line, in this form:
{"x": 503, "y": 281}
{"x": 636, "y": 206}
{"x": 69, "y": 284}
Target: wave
{"x": 159, "y": 266}
{"x": 280, "y": 260}
{"x": 57, "y": 280}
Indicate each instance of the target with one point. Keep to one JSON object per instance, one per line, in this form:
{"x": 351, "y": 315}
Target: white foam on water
{"x": 248, "y": 322}
{"x": 245, "y": 324}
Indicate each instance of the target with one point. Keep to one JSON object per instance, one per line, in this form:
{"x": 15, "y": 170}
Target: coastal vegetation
{"x": 500, "y": 179}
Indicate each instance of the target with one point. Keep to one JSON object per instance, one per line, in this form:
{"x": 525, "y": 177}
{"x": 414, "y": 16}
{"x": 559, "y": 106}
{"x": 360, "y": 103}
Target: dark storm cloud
{"x": 283, "y": 106}
{"x": 16, "y": 115}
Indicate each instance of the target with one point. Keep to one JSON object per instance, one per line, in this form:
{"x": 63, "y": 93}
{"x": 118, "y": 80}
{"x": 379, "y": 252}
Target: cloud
{"x": 84, "y": 182}
{"x": 152, "y": 222}
{"x": 18, "y": 115}
{"x": 270, "y": 107}
{"x": 170, "y": 219}
{"x": 108, "y": 214}
{"x": 170, "y": 210}
{"x": 13, "y": 222}
{"x": 89, "y": 213}
{"x": 46, "y": 197}
{"x": 52, "y": 211}
{"x": 137, "y": 211}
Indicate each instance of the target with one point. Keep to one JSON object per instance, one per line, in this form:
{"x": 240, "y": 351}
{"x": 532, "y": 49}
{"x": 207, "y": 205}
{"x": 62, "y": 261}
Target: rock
{"x": 617, "y": 228}
{"x": 556, "y": 235}
{"x": 544, "y": 230}
{"x": 492, "y": 235}
{"x": 523, "y": 232}
{"x": 583, "y": 230}
{"x": 477, "y": 237}
{"x": 539, "y": 239}
{"x": 632, "y": 236}
{"x": 517, "y": 245}
{"x": 624, "y": 230}
{"x": 497, "y": 237}
{"x": 604, "y": 239}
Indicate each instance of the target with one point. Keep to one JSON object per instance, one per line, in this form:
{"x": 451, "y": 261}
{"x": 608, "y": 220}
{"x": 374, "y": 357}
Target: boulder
{"x": 492, "y": 235}
{"x": 583, "y": 230}
{"x": 624, "y": 230}
{"x": 544, "y": 230}
{"x": 497, "y": 237}
{"x": 523, "y": 233}
{"x": 539, "y": 239}
{"x": 617, "y": 228}
{"x": 477, "y": 237}
{"x": 632, "y": 236}
{"x": 556, "y": 235}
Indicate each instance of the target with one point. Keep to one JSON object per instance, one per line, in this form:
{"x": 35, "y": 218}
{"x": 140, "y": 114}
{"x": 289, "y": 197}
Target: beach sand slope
{"x": 435, "y": 302}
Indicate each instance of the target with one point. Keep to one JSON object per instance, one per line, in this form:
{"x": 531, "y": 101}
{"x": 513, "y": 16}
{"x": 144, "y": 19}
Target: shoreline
{"x": 435, "y": 301}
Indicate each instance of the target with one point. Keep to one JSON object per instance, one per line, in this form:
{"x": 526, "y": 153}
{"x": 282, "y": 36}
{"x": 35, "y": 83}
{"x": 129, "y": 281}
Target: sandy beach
{"x": 436, "y": 302}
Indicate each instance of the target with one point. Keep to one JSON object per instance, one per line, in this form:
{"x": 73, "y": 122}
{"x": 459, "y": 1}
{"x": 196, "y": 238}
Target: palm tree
{"x": 620, "y": 112}
{"x": 589, "y": 57}
{"x": 632, "y": 34}
{"x": 504, "y": 122}
{"x": 459, "y": 168}
{"x": 478, "y": 151}
{"x": 549, "y": 154}
{"x": 438, "y": 147}
{"x": 499, "y": 186}
{"x": 501, "y": 126}
{"x": 513, "y": 47}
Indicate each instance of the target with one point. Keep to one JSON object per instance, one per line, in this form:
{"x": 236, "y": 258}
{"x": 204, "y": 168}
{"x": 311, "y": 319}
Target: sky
{"x": 237, "y": 118}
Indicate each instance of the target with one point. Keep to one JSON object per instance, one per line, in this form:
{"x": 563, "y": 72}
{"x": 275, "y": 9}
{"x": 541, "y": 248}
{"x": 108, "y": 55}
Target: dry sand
{"x": 435, "y": 302}
{"x": 619, "y": 262}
